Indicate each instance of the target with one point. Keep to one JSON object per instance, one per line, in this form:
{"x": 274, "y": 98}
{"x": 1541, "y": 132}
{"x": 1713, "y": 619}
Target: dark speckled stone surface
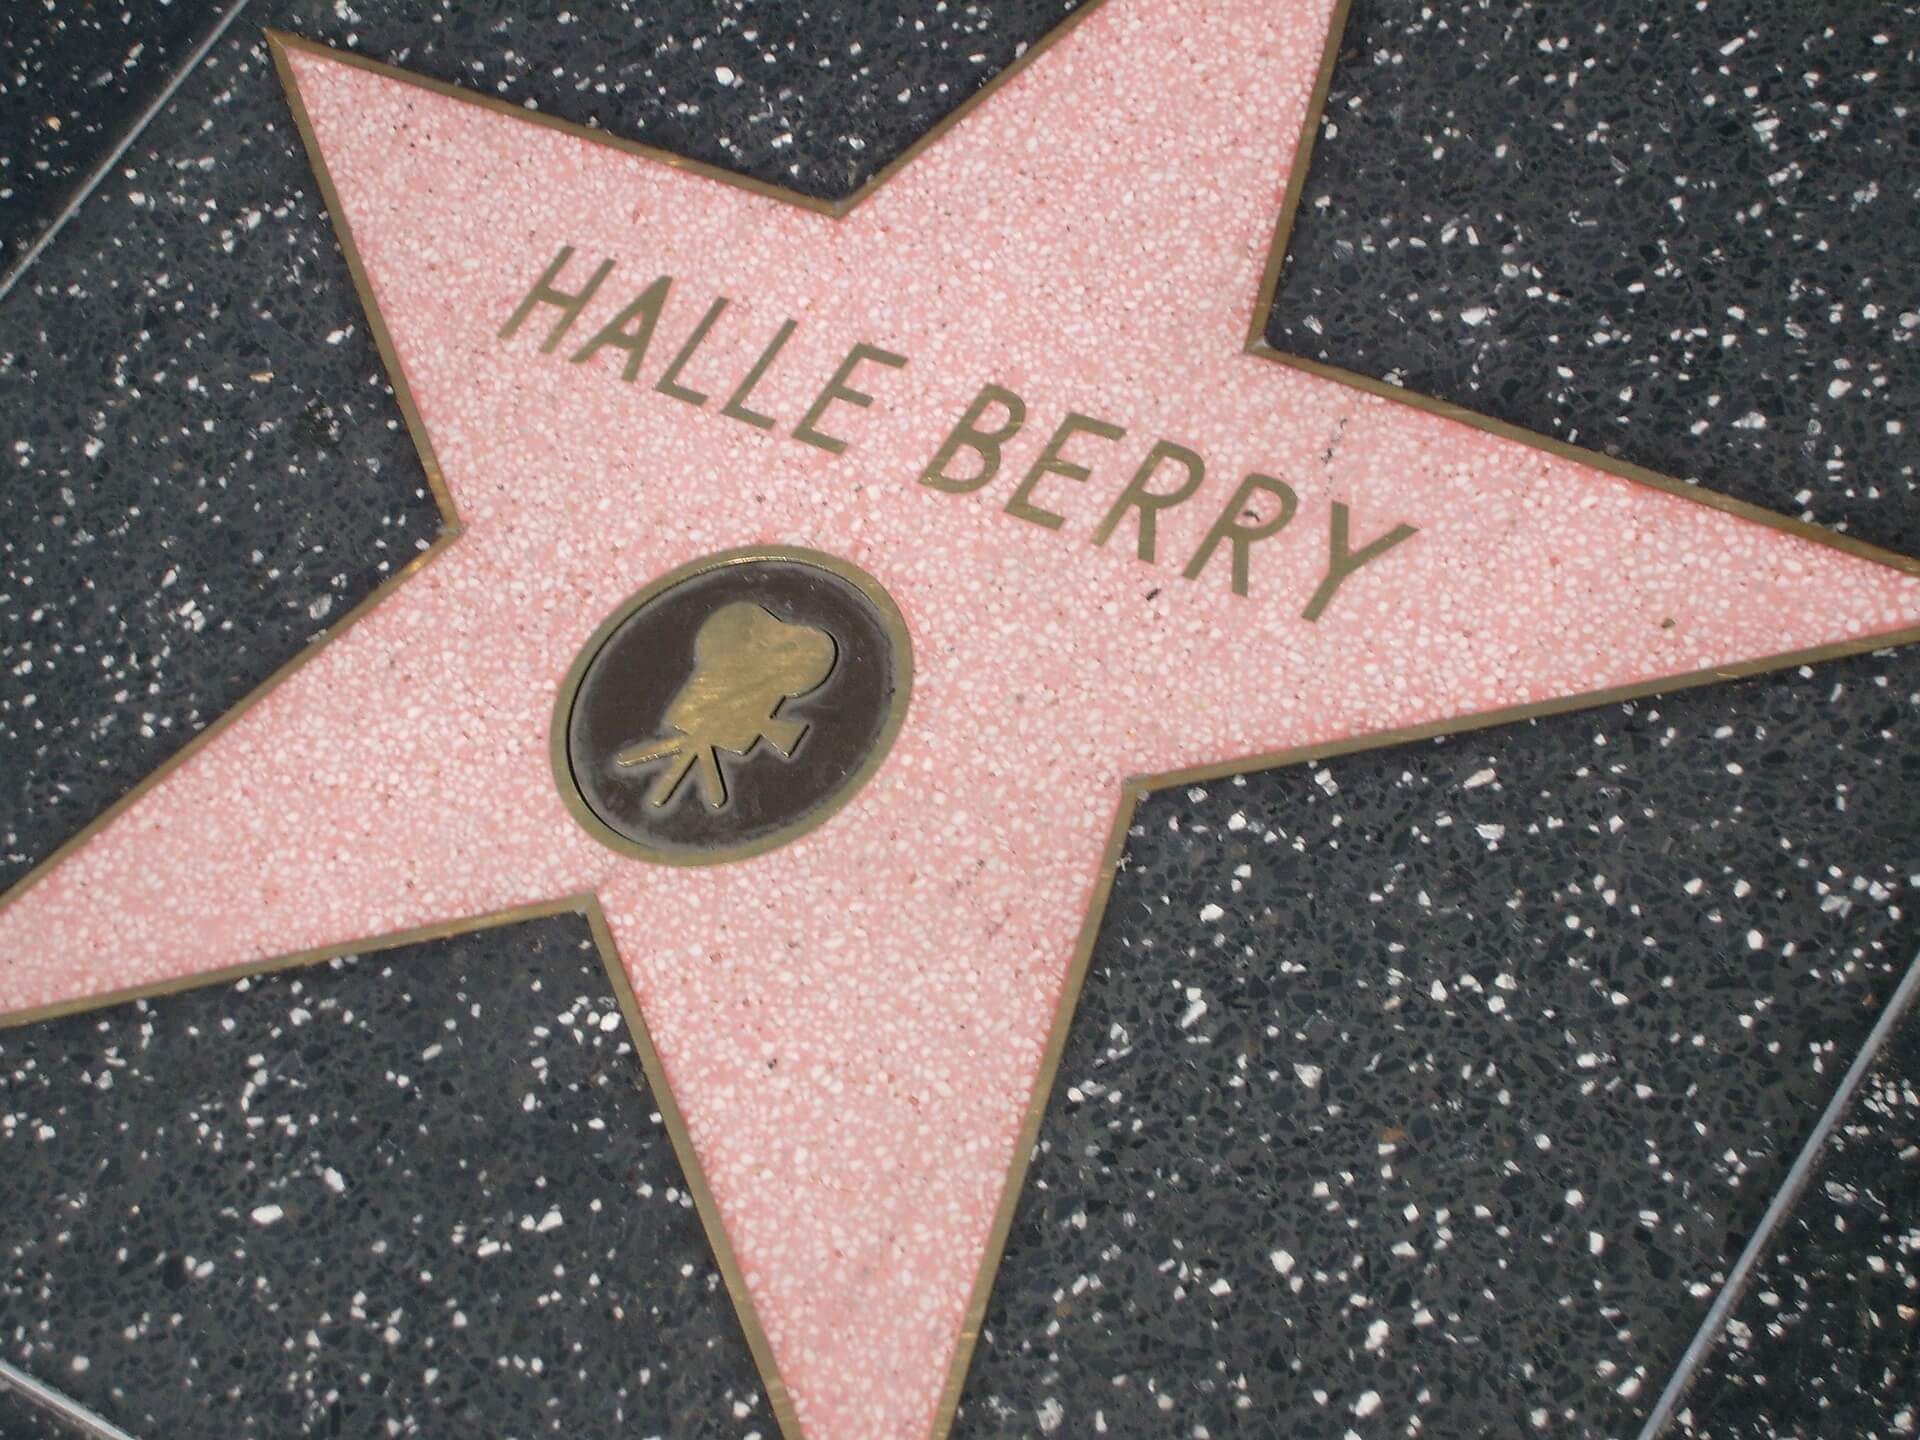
{"x": 1679, "y": 234}
{"x": 73, "y": 77}
{"x": 422, "y": 1192}
{"x": 1433, "y": 1091}
{"x": 1827, "y": 1340}
{"x": 21, "y": 1421}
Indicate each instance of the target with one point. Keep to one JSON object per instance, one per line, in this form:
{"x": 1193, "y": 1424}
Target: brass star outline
{"x": 1133, "y": 791}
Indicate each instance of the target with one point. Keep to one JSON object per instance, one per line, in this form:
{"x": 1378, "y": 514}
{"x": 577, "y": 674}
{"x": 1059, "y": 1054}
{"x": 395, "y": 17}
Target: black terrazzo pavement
{"x": 1678, "y": 234}
{"x": 311, "y": 469}
{"x": 224, "y": 472}
{"x": 1433, "y": 1091}
{"x": 21, "y": 1421}
{"x": 1827, "y": 1340}
{"x": 422, "y": 1192}
{"x": 73, "y": 77}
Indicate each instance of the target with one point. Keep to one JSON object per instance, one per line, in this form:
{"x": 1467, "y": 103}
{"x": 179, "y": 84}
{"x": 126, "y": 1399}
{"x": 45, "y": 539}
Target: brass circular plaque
{"x": 731, "y": 705}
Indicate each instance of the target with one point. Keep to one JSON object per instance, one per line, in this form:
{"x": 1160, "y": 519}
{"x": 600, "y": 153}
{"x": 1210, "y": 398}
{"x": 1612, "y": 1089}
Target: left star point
{"x": 358, "y": 797}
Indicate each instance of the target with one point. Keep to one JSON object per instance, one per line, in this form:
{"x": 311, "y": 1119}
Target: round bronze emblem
{"x": 731, "y": 705}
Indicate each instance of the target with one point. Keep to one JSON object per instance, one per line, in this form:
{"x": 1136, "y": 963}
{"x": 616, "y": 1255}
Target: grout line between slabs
{"x": 100, "y": 171}
{"x": 1784, "y": 1199}
{"x": 64, "y": 1408}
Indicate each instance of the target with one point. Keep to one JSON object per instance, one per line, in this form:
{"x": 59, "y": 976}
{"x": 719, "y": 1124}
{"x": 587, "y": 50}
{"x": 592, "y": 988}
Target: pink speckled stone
{"x": 1092, "y": 237}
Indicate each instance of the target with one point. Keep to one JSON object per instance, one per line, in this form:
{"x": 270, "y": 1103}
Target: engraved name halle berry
{"x": 1167, "y": 476}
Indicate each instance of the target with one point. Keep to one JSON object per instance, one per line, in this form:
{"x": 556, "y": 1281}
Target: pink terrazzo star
{"x": 853, "y": 1024}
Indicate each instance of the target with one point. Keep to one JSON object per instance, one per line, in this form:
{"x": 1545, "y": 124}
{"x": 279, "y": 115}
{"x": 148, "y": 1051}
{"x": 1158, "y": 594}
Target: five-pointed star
{"x": 858, "y": 1026}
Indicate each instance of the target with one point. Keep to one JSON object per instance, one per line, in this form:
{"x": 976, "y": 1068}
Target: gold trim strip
{"x": 450, "y": 524}
{"x": 60, "y": 1405}
{"x": 363, "y": 285}
{"x": 1135, "y": 790}
{"x": 1297, "y": 174}
{"x": 218, "y": 727}
{"x": 295, "y": 960}
{"x": 281, "y": 41}
{"x": 1256, "y": 344}
{"x": 587, "y": 906}
{"x": 1132, "y": 792}
{"x": 1535, "y": 710}
{"x": 1594, "y": 460}
{"x": 966, "y": 107}
{"x": 778, "y": 1399}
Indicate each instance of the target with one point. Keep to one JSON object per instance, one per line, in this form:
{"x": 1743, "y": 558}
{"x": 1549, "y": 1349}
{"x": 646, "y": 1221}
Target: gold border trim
{"x": 1256, "y": 344}
{"x": 728, "y": 1263}
{"x": 450, "y": 522}
{"x": 281, "y": 41}
{"x": 891, "y": 620}
{"x": 363, "y": 285}
{"x": 587, "y": 906}
{"x": 1132, "y": 792}
{"x": 1135, "y": 790}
